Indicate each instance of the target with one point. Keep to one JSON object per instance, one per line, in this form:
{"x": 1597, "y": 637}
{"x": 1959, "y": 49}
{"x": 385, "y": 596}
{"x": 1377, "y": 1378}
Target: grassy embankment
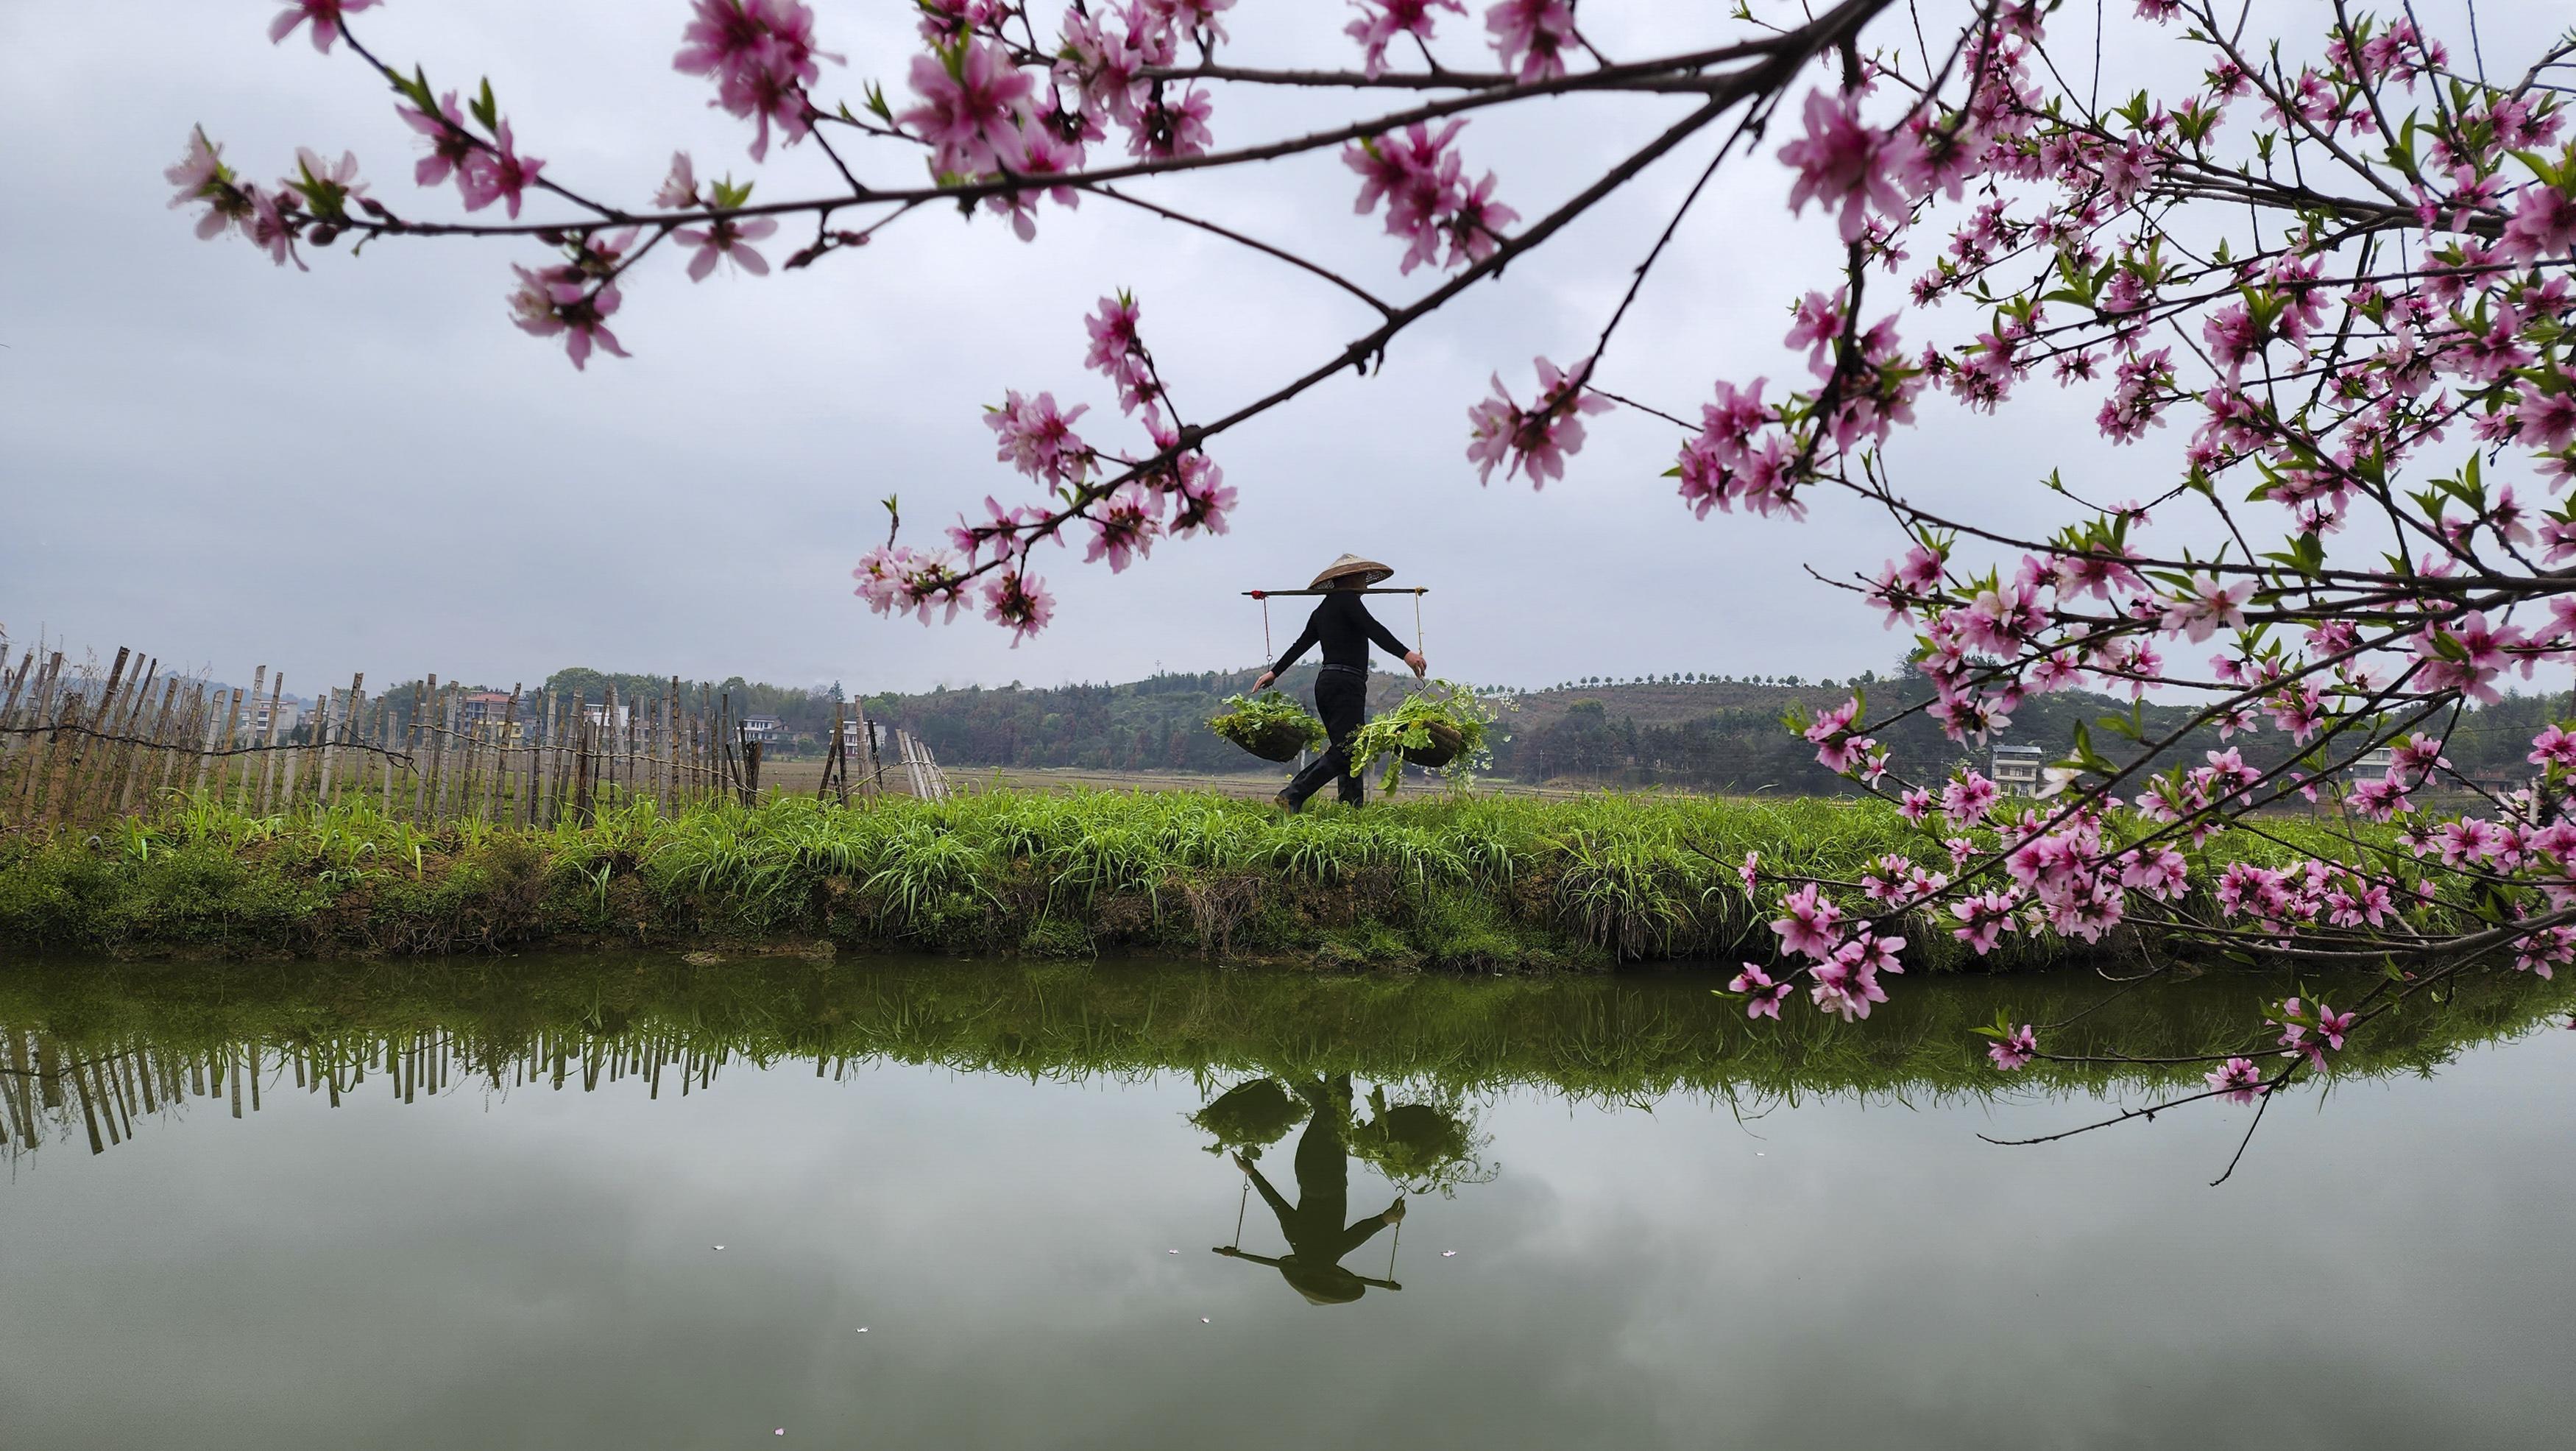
{"x": 1460, "y": 883}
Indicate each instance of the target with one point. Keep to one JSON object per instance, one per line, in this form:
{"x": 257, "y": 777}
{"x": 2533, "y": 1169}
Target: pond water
{"x": 624, "y": 1203}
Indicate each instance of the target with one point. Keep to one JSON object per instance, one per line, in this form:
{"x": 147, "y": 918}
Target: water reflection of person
{"x": 1317, "y": 1237}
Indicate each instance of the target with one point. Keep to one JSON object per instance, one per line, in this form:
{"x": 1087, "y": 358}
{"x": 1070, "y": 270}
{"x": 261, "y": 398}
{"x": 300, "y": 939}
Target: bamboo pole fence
{"x": 81, "y": 746}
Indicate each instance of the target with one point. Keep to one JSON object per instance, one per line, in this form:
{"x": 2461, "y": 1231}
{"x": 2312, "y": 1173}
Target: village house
{"x": 288, "y": 713}
{"x": 2016, "y": 768}
{"x": 486, "y": 714}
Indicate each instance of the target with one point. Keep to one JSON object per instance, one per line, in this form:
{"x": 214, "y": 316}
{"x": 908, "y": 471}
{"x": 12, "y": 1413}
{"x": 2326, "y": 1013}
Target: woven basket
{"x": 1445, "y": 745}
{"x": 1279, "y": 741}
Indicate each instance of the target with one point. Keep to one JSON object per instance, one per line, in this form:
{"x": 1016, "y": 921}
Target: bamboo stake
{"x": 127, "y": 749}
{"x": 523, "y": 810}
{"x": 57, "y": 756}
{"x": 314, "y": 755}
{"x": 30, "y": 742}
{"x": 198, "y": 717}
{"x": 500, "y": 755}
{"x": 325, "y": 735}
{"x": 201, "y": 739}
{"x": 69, "y": 799}
{"x": 452, "y": 790}
{"x": 541, "y": 755}
{"x": 339, "y": 727}
{"x": 831, "y": 754}
{"x": 567, "y": 759}
{"x": 31, "y": 767}
{"x": 156, "y": 752}
{"x": 421, "y": 744}
{"x": 12, "y": 686}
{"x": 227, "y": 737}
{"x": 581, "y": 770}
{"x": 670, "y": 708}
{"x": 268, "y": 741}
{"x": 445, "y": 754}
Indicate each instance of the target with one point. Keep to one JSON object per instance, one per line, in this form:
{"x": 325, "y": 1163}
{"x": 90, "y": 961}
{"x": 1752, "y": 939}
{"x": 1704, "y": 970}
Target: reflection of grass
{"x": 1590, "y": 1037}
{"x": 1461, "y": 882}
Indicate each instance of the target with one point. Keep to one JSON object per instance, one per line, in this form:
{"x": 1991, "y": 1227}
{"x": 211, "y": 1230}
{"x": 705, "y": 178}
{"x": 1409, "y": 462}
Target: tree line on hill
{"x": 1621, "y": 735}
{"x": 1688, "y": 730}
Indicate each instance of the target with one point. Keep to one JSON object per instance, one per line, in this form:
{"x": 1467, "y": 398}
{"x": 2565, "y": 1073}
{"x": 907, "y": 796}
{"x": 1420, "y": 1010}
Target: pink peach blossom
{"x": 1844, "y": 162}
{"x": 322, "y": 15}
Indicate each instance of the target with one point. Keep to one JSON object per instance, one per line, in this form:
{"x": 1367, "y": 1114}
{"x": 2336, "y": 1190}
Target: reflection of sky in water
{"x": 535, "y": 1269}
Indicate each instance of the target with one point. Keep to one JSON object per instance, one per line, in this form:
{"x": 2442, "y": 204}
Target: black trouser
{"x": 1341, "y": 700}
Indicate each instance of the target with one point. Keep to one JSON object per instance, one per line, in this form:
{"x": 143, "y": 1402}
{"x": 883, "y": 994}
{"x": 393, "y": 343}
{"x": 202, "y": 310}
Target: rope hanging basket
{"x": 1446, "y": 743}
{"x": 1269, "y": 725}
{"x": 1275, "y": 741}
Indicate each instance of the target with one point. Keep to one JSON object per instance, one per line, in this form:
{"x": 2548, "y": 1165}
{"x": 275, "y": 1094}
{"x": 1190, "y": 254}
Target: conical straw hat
{"x": 1369, "y": 570}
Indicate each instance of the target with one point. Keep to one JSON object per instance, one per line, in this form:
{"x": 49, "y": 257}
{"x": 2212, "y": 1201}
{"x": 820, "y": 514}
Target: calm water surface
{"x": 1041, "y": 1227}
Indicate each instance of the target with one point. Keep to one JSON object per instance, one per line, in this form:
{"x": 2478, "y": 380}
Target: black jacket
{"x": 1343, "y": 625}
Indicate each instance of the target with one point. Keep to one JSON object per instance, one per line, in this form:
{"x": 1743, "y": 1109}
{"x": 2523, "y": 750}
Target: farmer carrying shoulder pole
{"x": 1343, "y": 625}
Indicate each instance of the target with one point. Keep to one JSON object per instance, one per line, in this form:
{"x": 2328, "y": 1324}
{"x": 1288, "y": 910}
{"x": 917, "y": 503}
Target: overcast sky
{"x": 368, "y": 468}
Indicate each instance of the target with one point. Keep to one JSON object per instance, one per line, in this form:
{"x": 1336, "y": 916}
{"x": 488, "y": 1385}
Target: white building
{"x": 2017, "y": 768}
{"x": 288, "y": 714}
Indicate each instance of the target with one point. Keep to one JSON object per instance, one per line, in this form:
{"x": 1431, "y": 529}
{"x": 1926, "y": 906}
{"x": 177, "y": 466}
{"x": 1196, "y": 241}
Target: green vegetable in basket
{"x": 1269, "y": 725}
{"x": 1409, "y": 728}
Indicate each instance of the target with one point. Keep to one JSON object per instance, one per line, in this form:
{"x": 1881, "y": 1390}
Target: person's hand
{"x": 1263, "y": 683}
{"x": 1394, "y": 1212}
{"x": 1229, "y": 1251}
{"x": 1243, "y": 1163}
{"x": 1421, "y": 667}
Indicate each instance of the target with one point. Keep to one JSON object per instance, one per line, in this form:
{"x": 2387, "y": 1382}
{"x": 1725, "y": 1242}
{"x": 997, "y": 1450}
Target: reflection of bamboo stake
{"x": 89, "y": 1115}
